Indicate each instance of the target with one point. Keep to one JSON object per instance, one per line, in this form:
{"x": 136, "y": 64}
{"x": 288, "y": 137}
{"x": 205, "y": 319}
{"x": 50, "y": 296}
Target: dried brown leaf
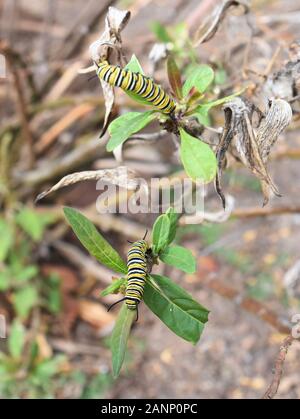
{"x": 109, "y": 97}
{"x": 285, "y": 83}
{"x": 157, "y": 54}
{"x": 115, "y": 22}
{"x": 211, "y": 24}
{"x": 121, "y": 176}
{"x": 250, "y": 147}
{"x": 277, "y": 119}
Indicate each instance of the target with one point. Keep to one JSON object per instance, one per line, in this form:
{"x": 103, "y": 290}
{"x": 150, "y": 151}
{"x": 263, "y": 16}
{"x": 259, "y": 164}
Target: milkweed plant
{"x": 168, "y": 301}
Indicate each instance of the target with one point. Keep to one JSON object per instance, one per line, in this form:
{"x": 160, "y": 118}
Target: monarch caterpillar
{"x": 136, "y": 83}
{"x": 136, "y": 274}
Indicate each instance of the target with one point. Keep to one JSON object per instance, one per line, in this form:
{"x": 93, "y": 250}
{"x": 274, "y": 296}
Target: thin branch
{"x": 21, "y": 104}
{"x": 266, "y": 211}
{"x": 83, "y": 262}
{"x": 55, "y": 168}
{"x": 76, "y": 113}
{"x": 278, "y": 368}
{"x": 74, "y": 348}
{"x": 248, "y": 304}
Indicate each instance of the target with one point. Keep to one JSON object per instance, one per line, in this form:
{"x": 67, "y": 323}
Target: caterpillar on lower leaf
{"x": 136, "y": 274}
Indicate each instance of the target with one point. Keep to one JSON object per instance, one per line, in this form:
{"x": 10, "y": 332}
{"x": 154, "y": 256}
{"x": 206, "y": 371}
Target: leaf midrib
{"x": 97, "y": 246}
{"x": 122, "y": 340}
{"x": 170, "y": 301}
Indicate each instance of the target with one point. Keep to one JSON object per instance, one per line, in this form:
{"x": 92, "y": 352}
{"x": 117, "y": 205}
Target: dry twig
{"x": 12, "y": 59}
{"x": 264, "y": 212}
{"x": 278, "y": 368}
{"x": 248, "y": 304}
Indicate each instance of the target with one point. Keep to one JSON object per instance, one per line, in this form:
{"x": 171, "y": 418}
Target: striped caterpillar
{"x": 136, "y": 274}
{"x": 136, "y": 83}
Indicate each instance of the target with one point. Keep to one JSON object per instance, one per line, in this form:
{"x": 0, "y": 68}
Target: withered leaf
{"x": 121, "y": 176}
{"x": 285, "y": 83}
{"x": 211, "y": 24}
{"x": 252, "y": 147}
{"x": 115, "y": 22}
{"x": 157, "y": 54}
{"x": 236, "y": 112}
{"x": 277, "y": 119}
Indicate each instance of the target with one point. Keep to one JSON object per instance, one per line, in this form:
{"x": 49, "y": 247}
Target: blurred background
{"x": 57, "y": 326}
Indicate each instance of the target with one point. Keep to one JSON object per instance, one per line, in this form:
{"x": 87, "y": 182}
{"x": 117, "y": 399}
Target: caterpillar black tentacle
{"x": 117, "y": 302}
{"x": 136, "y": 83}
{"x": 136, "y": 274}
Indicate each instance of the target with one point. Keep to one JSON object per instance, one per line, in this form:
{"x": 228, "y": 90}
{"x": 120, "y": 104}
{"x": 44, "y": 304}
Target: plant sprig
{"x": 166, "y": 299}
{"x": 197, "y": 157}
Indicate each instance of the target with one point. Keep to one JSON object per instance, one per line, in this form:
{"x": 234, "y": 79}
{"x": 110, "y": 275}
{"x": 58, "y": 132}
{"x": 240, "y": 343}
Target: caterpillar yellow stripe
{"x": 137, "y": 83}
{"x": 136, "y": 274}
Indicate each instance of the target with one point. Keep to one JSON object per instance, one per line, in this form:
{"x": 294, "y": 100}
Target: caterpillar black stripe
{"x": 137, "y": 83}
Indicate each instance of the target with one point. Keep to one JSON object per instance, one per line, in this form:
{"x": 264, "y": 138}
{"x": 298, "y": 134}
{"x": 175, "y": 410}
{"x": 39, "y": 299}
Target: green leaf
{"x": 123, "y": 127}
{"x": 4, "y": 280}
{"x": 160, "y": 233}
{"x": 173, "y": 217}
{"x": 135, "y": 66}
{"x": 202, "y": 115}
{"x": 114, "y": 287}
{"x": 92, "y": 240}
{"x": 220, "y": 76}
{"x": 48, "y": 367}
{"x": 7, "y": 238}
{"x": 181, "y": 32}
{"x": 174, "y": 77}
{"x": 160, "y": 32}
{"x": 180, "y": 258}
{"x": 54, "y": 296}
{"x": 198, "y": 159}
{"x": 201, "y": 77}
{"x": 24, "y": 300}
{"x": 33, "y": 351}
{"x": 204, "y": 108}
{"x": 120, "y": 336}
{"x": 175, "y": 307}
{"x": 54, "y": 300}
{"x": 33, "y": 223}
{"x": 16, "y": 339}
{"x": 26, "y": 273}
{"x": 97, "y": 386}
